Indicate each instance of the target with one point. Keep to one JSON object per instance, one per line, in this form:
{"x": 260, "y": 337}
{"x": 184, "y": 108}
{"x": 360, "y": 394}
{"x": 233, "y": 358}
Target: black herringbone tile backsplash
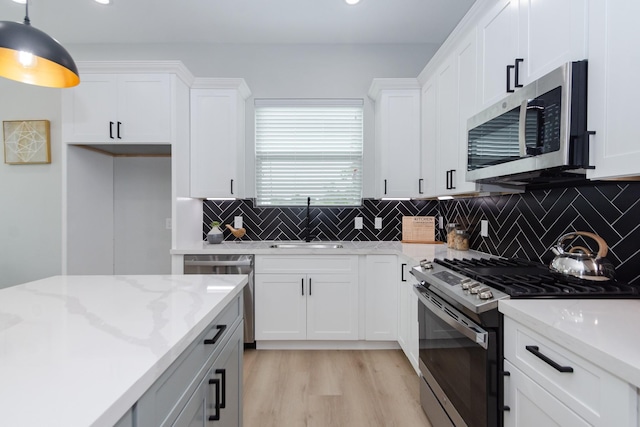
{"x": 520, "y": 225}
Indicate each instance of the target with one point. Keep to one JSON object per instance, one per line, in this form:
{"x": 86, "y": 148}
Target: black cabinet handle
{"x": 517, "y": 72}
{"x": 309, "y": 286}
{"x": 402, "y": 272}
{"x": 302, "y": 285}
{"x": 447, "y": 181}
{"x": 213, "y": 340}
{"x": 420, "y": 186}
{"x": 509, "y": 68}
{"x": 536, "y": 352}
{"x": 231, "y": 186}
{"x": 118, "y": 133}
{"x": 223, "y": 378}
{"x": 453, "y": 187}
{"x": 216, "y": 414}
{"x": 506, "y": 408}
{"x": 506, "y": 374}
{"x": 111, "y": 130}
{"x": 385, "y": 186}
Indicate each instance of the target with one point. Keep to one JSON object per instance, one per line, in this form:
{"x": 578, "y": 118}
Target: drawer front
{"x": 588, "y": 390}
{"x": 169, "y": 393}
{"x": 306, "y": 264}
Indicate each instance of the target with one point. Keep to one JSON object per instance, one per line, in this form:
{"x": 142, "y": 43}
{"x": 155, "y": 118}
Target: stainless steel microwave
{"x": 535, "y": 135}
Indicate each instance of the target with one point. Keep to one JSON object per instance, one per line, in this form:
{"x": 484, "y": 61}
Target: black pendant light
{"x": 30, "y": 56}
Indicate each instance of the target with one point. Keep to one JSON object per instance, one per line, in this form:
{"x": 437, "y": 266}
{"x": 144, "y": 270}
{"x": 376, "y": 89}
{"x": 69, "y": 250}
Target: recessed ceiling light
{"x": 20, "y": 1}
{"x": 103, "y": 1}
{"x": 352, "y": 2}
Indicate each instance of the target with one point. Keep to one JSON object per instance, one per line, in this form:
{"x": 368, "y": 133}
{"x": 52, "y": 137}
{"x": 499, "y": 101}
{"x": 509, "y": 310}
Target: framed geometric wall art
{"x": 26, "y": 142}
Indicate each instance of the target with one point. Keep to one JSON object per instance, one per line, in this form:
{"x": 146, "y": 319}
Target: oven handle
{"x": 446, "y": 313}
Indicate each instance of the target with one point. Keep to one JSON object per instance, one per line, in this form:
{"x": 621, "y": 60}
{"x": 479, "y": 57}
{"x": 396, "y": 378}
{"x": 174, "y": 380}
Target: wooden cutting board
{"x": 419, "y": 229}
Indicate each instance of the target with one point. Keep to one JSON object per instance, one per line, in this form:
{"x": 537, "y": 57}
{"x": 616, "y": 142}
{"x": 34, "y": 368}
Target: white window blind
{"x": 308, "y": 148}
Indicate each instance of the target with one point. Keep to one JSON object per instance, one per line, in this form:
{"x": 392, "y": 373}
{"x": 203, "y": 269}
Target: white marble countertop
{"x": 81, "y": 350}
{"x": 412, "y": 251}
{"x": 601, "y": 331}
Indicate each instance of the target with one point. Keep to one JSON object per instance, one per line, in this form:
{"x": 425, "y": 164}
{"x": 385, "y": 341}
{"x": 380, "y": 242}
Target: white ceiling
{"x": 242, "y": 21}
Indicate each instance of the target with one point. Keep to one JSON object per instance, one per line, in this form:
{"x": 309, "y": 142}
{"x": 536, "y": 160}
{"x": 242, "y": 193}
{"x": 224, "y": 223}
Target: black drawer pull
{"x": 536, "y": 352}
{"x": 506, "y": 408}
{"x": 402, "y": 272}
{"x": 517, "y": 72}
{"x": 509, "y": 68}
{"x": 420, "y": 186}
{"x": 111, "y": 130}
{"x": 118, "y": 128}
{"x": 213, "y": 340}
{"x": 223, "y": 377}
{"x": 216, "y": 414}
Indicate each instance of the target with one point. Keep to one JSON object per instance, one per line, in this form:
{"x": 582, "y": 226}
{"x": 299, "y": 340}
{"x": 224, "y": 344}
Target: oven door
{"x": 458, "y": 363}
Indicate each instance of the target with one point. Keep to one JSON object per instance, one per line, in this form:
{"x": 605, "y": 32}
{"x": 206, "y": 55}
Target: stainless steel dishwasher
{"x": 229, "y": 264}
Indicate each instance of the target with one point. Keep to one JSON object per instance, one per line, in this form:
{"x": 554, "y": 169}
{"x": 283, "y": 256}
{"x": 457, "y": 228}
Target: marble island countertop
{"x": 412, "y": 251}
{"x": 601, "y": 331}
{"x": 81, "y": 350}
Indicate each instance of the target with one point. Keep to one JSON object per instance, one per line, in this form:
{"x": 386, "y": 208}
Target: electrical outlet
{"x": 237, "y": 222}
{"x": 358, "y": 223}
{"x": 440, "y": 223}
{"x": 484, "y": 228}
{"x": 378, "y": 223}
{"x": 167, "y": 223}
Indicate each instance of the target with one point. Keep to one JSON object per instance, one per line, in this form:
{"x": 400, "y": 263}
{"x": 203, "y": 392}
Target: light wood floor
{"x": 330, "y": 388}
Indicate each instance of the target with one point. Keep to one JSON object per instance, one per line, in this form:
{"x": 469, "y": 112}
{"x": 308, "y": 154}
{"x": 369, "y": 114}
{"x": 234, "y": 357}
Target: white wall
{"x": 30, "y": 211}
{"x": 30, "y": 205}
{"x": 142, "y": 203}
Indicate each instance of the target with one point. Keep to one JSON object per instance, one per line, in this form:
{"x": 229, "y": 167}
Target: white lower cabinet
{"x": 549, "y": 385}
{"x": 408, "y": 317}
{"x": 306, "y": 297}
{"x": 381, "y": 293}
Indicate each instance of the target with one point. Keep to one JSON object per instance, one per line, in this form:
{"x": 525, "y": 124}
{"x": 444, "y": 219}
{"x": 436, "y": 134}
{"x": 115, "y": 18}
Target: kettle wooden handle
{"x": 603, "y": 248}
{"x": 584, "y": 250}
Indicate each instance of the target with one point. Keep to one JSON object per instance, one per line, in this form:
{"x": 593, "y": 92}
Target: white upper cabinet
{"x": 614, "y": 59}
{"x": 448, "y": 100}
{"x": 498, "y": 48}
{"x": 398, "y": 166}
{"x": 217, "y": 138}
{"x": 522, "y": 40}
{"x": 119, "y": 109}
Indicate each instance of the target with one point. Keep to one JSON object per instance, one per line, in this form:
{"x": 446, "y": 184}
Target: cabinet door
{"x": 398, "y": 113}
{"x": 280, "y": 307}
{"x": 214, "y": 141}
{"x": 429, "y": 136}
{"x": 144, "y": 109}
{"x": 498, "y": 47}
{"x": 612, "y": 113}
{"x": 89, "y": 109}
{"x": 228, "y": 370}
{"x": 381, "y": 293}
{"x": 532, "y": 406}
{"x": 551, "y": 33}
{"x": 466, "y": 83}
{"x": 195, "y": 414}
{"x": 447, "y": 128}
{"x": 332, "y": 307}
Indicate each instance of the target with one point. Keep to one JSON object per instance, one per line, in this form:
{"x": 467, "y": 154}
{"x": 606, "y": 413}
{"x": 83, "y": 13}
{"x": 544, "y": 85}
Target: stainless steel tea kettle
{"x": 580, "y": 261}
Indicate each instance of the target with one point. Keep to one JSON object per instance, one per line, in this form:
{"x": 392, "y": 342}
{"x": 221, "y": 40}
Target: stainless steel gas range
{"x": 460, "y": 330}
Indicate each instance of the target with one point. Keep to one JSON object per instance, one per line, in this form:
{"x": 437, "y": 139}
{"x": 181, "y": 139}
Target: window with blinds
{"x": 308, "y": 148}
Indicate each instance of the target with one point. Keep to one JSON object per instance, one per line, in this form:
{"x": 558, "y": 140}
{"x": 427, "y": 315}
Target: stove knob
{"x": 466, "y": 284}
{"x": 485, "y": 294}
{"x": 475, "y": 287}
{"x": 426, "y": 265}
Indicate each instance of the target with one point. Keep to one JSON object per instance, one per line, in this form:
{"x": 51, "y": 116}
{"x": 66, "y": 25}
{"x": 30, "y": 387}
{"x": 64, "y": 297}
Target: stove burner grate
{"x": 525, "y": 279}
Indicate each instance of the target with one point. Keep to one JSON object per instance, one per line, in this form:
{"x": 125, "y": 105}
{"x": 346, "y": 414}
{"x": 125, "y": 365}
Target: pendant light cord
{"x": 26, "y": 16}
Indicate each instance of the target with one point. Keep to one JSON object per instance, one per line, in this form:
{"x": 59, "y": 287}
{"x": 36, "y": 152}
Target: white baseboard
{"x": 327, "y": 345}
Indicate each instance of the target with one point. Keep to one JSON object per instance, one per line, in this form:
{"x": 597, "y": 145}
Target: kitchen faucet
{"x": 308, "y": 237}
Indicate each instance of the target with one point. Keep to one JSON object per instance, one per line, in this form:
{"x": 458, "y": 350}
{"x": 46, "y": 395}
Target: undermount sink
{"x": 306, "y": 245}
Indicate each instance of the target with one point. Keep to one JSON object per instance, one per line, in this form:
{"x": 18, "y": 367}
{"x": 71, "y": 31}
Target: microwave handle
{"x": 522, "y": 128}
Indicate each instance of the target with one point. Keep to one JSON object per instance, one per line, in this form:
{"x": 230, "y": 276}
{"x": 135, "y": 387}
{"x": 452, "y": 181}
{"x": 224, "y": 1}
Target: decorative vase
{"x": 215, "y": 235}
